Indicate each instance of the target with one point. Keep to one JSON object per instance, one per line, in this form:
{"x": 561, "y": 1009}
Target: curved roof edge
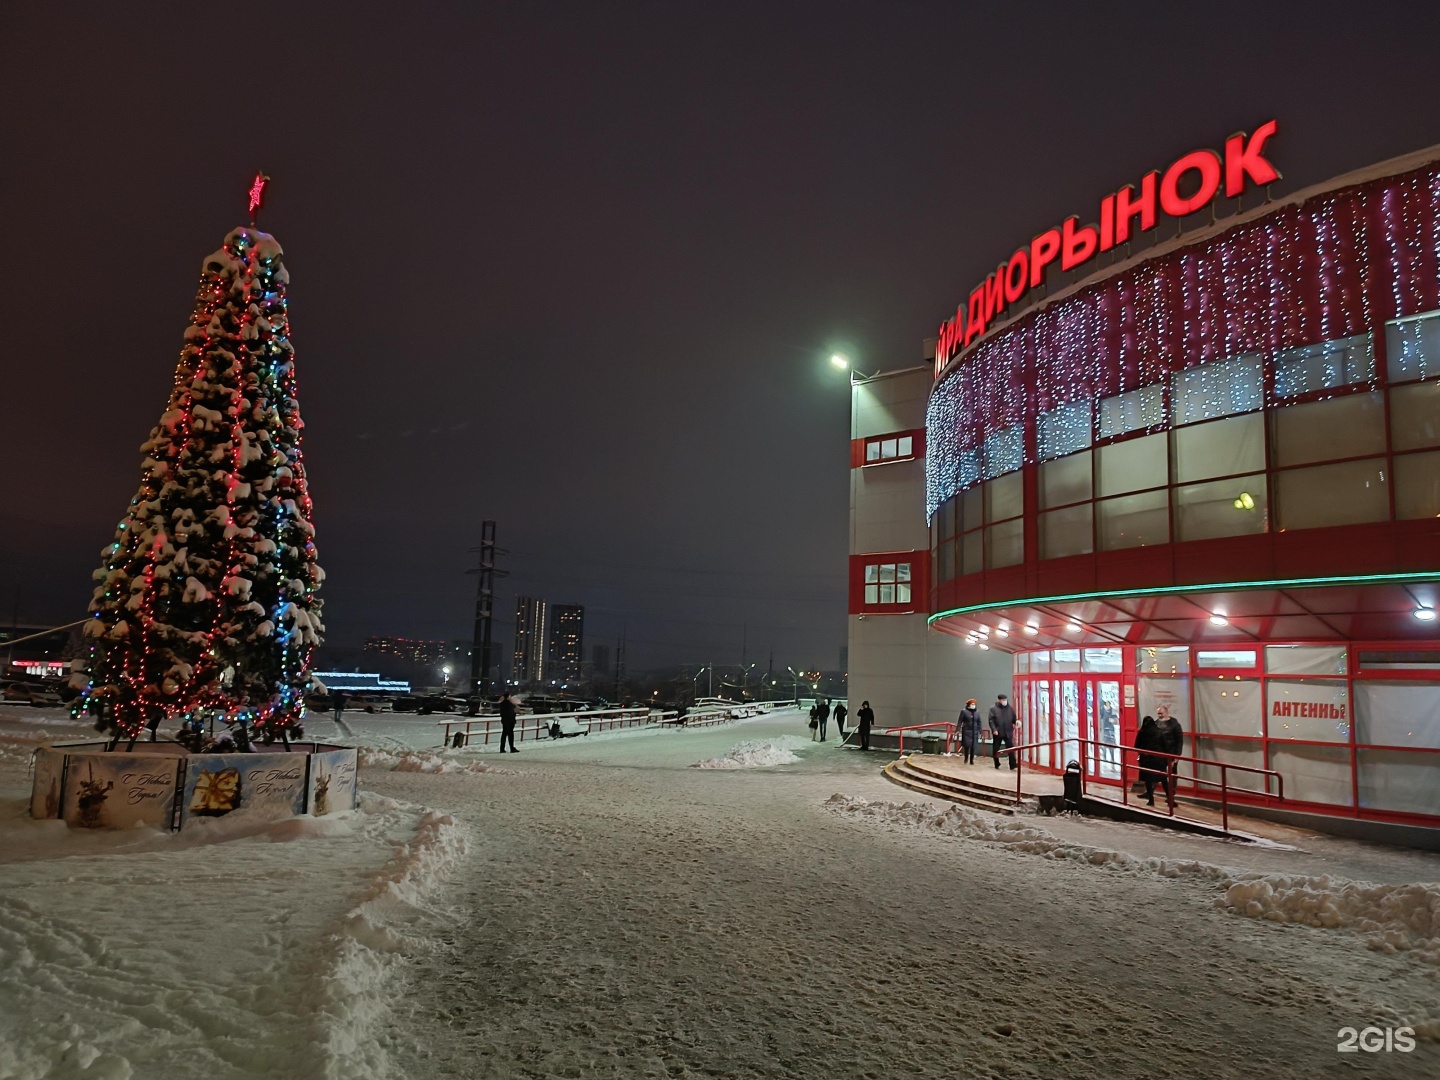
{"x": 1379, "y": 171}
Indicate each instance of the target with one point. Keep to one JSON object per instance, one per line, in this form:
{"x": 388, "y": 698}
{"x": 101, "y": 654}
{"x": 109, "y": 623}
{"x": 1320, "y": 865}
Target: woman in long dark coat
{"x": 1152, "y": 766}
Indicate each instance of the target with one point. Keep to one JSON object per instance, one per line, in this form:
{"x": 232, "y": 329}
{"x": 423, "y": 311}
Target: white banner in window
{"x": 1319, "y": 711}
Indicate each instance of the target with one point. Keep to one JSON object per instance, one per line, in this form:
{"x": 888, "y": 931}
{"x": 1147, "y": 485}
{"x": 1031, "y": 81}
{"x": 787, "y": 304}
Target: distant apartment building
{"x": 532, "y": 616}
{"x": 412, "y": 650}
{"x": 567, "y": 635}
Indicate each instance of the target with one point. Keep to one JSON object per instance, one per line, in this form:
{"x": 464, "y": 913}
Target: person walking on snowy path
{"x": 507, "y": 723}
{"x": 840, "y": 719}
{"x": 824, "y": 716}
{"x": 867, "y": 720}
{"x": 1002, "y": 728}
{"x": 969, "y": 730}
{"x": 337, "y": 701}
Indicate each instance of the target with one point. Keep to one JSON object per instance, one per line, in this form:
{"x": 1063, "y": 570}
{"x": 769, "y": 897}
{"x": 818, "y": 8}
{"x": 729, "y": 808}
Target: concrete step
{"x": 934, "y": 773}
{"x": 929, "y": 784}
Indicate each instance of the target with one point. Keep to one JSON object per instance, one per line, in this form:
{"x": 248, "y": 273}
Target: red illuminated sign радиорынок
{"x": 1242, "y": 164}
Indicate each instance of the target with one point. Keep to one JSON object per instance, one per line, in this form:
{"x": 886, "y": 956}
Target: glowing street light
{"x": 839, "y": 361}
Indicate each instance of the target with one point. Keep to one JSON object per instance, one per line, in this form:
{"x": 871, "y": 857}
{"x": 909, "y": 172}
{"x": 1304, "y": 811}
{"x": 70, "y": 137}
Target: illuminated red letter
{"x": 1127, "y": 207}
{"x": 995, "y": 293}
{"x": 1043, "y": 250}
{"x": 1207, "y": 164}
{"x": 1107, "y": 223}
{"x": 1077, "y": 245}
{"x": 975, "y": 322}
{"x": 1017, "y": 276}
{"x": 1245, "y": 159}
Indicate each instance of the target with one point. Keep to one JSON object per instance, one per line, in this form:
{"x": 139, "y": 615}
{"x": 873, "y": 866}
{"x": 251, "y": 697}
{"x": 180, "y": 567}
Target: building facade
{"x": 532, "y": 638}
{"x": 1207, "y": 476}
{"x": 567, "y": 641}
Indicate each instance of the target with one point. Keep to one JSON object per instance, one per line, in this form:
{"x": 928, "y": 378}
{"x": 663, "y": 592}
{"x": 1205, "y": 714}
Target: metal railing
{"x": 899, "y": 732}
{"x": 529, "y": 726}
{"x": 1169, "y": 772}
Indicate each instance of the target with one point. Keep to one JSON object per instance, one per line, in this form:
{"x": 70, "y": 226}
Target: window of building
{"x": 1415, "y": 416}
{"x": 1218, "y": 388}
{"x": 1133, "y": 465}
{"x": 945, "y": 562}
{"x": 969, "y": 469}
{"x": 1417, "y": 485}
{"x": 1341, "y": 427}
{"x": 1004, "y": 451}
{"x": 1343, "y": 494}
{"x": 972, "y": 552}
{"x": 1128, "y": 521}
{"x": 1305, "y": 659}
{"x": 1005, "y": 544}
{"x": 1313, "y": 710}
{"x": 885, "y": 448}
{"x": 1005, "y": 498}
{"x": 1163, "y": 659}
{"x": 1065, "y": 480}
{"x": 1067, "y": 532}
{"x": 1065, "y": 660}
{"x": 1101, "y": 659}
{"x": 1325, "y": 366}
{"x": 1133, "y": 410}
{"x": 1235, "y": 507}
{"x": 1229, "y": 707}
{"x": 1412, "y": 347}
{"x": 1064, "y": 430}
{"x": 1225, "y": 658}
{"x": 1223, "y": 448}
{"x": 887, "y": 583}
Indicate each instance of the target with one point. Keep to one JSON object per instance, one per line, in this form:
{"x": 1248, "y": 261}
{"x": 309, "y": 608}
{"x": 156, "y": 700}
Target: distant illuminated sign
{"x": 1205, "y": 174}
{"x": 361, "y": 680}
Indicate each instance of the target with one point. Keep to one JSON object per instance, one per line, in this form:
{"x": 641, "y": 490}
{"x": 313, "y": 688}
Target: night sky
{"x": 578, "y": 267}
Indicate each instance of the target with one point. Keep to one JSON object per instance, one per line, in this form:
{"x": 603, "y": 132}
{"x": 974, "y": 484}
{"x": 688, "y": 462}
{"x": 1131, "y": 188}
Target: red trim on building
{"x": 919, "y": 563}
{"x": 917, "y": 448}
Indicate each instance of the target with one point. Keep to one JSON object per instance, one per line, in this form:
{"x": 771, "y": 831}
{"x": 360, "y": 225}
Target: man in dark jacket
{"x": 969, "y": 725}
{"x": 824, "y": 716}
{"x": 1171, "y": 741}
{"x": 1152, "y": 765}
{"x": 1002, "y": 727}
{"x": 507, "y": 723}
{"x": 840, "y": 719}
{"x": 867, "y": 720}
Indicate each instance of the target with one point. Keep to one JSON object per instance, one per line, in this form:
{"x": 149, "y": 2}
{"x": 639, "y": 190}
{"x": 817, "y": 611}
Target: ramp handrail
{"x": 1174, "y": 759}
{"x": 946, "y": 724}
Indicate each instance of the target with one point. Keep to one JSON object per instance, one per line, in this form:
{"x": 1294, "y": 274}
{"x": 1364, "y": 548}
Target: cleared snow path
{"x": 624, "y": 914}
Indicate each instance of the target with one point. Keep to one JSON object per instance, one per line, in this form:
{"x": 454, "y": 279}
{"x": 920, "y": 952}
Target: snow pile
{"x": 757, "y": 754}
{"x": 1391, "y": 918}
{"x": 422, "y": 761}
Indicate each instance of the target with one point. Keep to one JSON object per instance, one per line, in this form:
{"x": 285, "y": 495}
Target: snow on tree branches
{"x": 206, "y": 600}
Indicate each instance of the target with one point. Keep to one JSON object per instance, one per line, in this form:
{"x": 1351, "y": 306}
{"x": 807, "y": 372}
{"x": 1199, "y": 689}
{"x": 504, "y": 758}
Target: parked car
{"x": 41, "y": 697}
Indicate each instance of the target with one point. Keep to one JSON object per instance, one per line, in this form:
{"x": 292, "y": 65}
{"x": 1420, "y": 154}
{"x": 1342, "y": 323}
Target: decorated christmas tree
{"x": 205, "y": 604}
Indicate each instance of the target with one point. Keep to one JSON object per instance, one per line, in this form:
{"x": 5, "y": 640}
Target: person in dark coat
{"x": 507, "y": 723}
{"x": 337, "y": 702}
{"x": 1002, "y": 727}
{"x": 969, "y": 730}
{"x": 1152, "y": 766}
{"x": 1171, "y": 741}
{"x": 867, "y": 721}
{"x": 840, "y": 719}
{"x": 824, "y": 716}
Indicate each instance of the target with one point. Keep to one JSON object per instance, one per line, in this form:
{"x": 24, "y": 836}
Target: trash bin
{"x": 932, "y": 744}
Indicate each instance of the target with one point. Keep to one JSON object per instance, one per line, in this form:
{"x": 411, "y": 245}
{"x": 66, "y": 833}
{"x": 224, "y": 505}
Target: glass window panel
{"x": 872, "y": 594}
{"x": 945, "y": 519}
{"x": 887, "y": 594}
{"x": 1398, "y": 714}
{"x": 1005, "y": 498}
{"x": 887, "y": 572}
{"x": 1218, "y": 388}
{"x": 872, "y": 451}
{"x": 1133, "y": 465}
{"x": 1022, "y": 663}
{"x": 1066, "y": 532}
{"x": 1065, "y": 480}
{"x": 1305, "y": 659}
{"x": 1341, "y": 427}
{"x": 1040, "y": 661}
{"x": 1417, "y": 485}
{"x": 1344, "y": 494}
{"x": 1313, "y": 709}
{"x": 887, "y": 448}
{"x": 1232, "y": 752}
{"x": 1163, "y": 659}
{"x": 1415, "y": 416}
{"x": 1412, "y": 347}
{"x": 1152, "y": 691}
{"x": 902, "y": 594}
{"x": 1101, "y": 659}
{"x": 1229, "y": 707}
{"x": 1398, "y": 781}
{"x": 1220, "y": 449}
{"x": 1065, "y": 660}
{"x": 1235, "y": 507}
{"x": 872, "y": 572}
{"x": 1064, "y": 430}
{"x": 1319, "y": 774}
{"x": 946, "y": 560}
{"x": 1325, "y": 366}
{"x": 1132, "y": 411}
{"x": 972, "y": 559}
{"x": 1399, "y": 660}
{"x": 1225, "y": 658}
{"x": 904, "y": 446}
{"x": 1134, "y": 520}
{"x": 972, "y": 512}
{"x": 1005, "y": 544}
{"x": 1042, "y": 726}
{"x": 902, "y": 571}
{"x": 1004, "y": 451}
{"x": 969, "y": 468}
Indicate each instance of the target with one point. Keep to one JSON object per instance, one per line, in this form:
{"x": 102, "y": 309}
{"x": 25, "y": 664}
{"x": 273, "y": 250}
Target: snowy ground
{"x": 731, "y": 902}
